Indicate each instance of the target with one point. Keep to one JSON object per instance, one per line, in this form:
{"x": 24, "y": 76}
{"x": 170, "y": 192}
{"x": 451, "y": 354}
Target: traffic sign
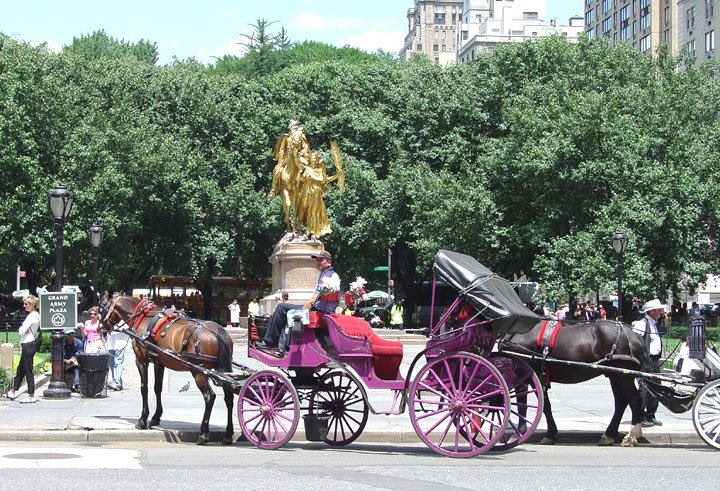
{"x": 380, "y": 268}
{"x": 58, "y": 310}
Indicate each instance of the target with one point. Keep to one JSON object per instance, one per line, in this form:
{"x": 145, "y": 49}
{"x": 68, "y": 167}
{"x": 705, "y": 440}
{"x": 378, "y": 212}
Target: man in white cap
{"x": 648, "y": 330}
{"x": 324, "y": 298}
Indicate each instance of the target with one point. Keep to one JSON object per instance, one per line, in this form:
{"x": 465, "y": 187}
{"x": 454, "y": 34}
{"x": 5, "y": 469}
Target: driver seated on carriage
{"x": 324, "y": 299}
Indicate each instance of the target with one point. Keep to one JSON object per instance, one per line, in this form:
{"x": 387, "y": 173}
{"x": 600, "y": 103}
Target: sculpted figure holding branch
{"x": 300, "y": 179}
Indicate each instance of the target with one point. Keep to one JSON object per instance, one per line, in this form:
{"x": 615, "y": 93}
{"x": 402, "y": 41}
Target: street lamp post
{"x": 60, "y": 202}
{"x": 619, "y": 244}
{"x": 95, "y": 233}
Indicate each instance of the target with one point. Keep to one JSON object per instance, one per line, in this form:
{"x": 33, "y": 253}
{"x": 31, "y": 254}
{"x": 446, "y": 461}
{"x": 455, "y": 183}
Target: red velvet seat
{"x": 387, "y": 355}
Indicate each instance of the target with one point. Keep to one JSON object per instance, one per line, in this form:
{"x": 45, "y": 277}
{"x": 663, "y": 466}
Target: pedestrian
{"x": 324, "y": 299}
{"x": 397, "y": 312}
{"x": 117, "y": 341}
{"x": 90, "y": 331}
{"x": 602, "y": 312}
{"x": 647, "y": 327}
{"x": 27, "y": 331}
{"x": 253, "y": 307}
{"x": 234, "y": 309}
{"x": 71, "y": 347}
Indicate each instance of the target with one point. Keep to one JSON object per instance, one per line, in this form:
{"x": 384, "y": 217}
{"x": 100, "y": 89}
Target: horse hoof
{"x": 140, "y": 425}
{"x": 629, "y": 441}
{"x": 154, "y": 422}
{"x": 202, "y": 440}
{"x": 227, "y": 441}
{"x": 547, "y": 441}
{"x": 606, "y": 441}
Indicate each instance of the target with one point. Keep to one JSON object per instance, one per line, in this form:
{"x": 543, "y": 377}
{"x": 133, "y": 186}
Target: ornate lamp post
{"x": 619, "y": 244}
{"x": 60, "y": 202}
{"x": 95, "y": 233}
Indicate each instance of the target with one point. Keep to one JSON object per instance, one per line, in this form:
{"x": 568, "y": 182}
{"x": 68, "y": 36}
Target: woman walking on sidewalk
{"x": 28, "y": 330}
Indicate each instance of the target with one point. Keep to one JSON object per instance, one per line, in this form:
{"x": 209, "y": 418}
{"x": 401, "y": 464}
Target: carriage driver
{"x": 648, "y": 330}
{"x": 324, "y": 299}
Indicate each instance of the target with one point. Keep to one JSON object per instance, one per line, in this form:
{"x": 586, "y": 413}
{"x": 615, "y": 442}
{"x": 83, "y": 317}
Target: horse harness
{"x": 161, "y": 323}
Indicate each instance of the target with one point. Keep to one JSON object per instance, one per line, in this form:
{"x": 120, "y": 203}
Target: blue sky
{"x": 211, "y": 28}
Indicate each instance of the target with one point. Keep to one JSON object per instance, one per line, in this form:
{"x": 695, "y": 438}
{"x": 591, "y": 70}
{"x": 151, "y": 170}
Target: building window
{"x": 435, "y": 47}
{"x": 589, "y": 17}
{"x": 644, "y": 14}
{"x": 530, "y": 15}
{"x": 439, "y": 14}
{"x": 624, "y": 23}
{"x": 709, "y": 41}
{"x": 590, "y": 33}
{"x": 465, "y": 35}
{"x": 606, "y": 27}
{"x": 709, "y": 8}
{"x": 690, "y": 48}
{"x": 418, "y": 47}
{"x": 690, "y": 21}
{"x": 644, "y": 43}
{"x": 436, "y": 34}
{"x": 606, "y": 4}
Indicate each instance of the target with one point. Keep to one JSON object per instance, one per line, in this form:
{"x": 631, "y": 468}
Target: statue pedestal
{"x": 293, "y": 271}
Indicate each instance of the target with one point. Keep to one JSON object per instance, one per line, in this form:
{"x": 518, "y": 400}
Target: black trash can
{"x": 93, "y": 373}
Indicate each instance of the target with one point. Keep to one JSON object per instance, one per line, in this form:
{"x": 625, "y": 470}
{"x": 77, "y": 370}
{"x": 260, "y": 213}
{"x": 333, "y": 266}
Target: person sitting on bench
{"x": 324, "y": 299}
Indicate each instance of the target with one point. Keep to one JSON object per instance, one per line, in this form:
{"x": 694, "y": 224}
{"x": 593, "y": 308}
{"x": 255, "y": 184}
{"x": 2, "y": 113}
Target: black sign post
{"x": 57, "y": 312}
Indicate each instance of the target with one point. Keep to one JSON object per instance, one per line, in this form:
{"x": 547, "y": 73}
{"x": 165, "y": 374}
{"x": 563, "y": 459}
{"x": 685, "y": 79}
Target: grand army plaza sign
{"x": 58, "y": 310}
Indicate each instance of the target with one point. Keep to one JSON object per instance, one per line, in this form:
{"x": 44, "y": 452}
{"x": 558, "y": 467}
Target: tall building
{"x": 490, "y": 23}
{"x": 696, "y": 29}
{"x": 643, "y": 23}
{"x": 432, "y": 30}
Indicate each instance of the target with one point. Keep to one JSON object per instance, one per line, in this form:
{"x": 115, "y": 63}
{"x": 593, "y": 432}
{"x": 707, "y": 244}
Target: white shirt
{"x": 29, "y": 327}
{"x": 234, "y": 313}
{"x": 655, "y": 343}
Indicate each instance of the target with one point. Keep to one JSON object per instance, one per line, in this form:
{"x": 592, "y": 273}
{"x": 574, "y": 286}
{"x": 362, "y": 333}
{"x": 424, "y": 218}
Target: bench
{"x": 354, "y": 337}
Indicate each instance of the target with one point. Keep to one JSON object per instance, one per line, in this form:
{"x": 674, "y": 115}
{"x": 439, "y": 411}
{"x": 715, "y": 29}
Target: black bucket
{"x": 316, "y": 427}
{"x": 93, "y": 373}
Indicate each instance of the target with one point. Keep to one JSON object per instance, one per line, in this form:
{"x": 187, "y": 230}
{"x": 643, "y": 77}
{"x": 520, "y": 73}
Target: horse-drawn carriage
{"x": 463, "y": 394}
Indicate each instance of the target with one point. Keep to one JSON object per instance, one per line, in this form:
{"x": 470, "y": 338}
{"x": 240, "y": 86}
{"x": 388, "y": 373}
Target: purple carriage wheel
{"x": 526, "y": 401}
{"x": 344, "y": 402}
{"x": 456, "y": 395}
{"x": 706, "y": 414}
{"x": 268, "y": 409}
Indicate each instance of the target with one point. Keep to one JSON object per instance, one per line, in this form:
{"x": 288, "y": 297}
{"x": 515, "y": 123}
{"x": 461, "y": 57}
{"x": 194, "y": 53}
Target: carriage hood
{"x": 490, "y": 294}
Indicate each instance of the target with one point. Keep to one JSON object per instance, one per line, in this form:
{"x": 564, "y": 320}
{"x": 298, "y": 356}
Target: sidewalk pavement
{"x": 581, "y": 412}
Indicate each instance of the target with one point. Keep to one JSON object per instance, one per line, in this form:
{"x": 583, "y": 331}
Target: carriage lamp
{"x": 95, "y": 233}
{"x": 619, "y": 244}
{"x": 60, "y": 202}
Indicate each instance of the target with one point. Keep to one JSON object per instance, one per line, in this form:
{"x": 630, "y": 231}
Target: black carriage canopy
{"x": 490, "y": 294}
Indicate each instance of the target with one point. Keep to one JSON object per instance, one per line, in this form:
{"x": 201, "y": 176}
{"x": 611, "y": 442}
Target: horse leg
{"x": 621, "y": 403}
{"x": 203, "y": 383}
{"x": 142, "y": 366}
{"x": 632, "y": 394}
{"x": 159, "y": 373}
{"x": 229, "y": 399}
{"x": 551, "y": 433}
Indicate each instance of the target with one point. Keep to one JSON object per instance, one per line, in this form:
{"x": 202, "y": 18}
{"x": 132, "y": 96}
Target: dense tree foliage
{"x": 527, "y": 159}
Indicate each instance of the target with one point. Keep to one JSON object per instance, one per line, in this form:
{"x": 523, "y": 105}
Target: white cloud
{"x": 371, "y": 41}
{"x": 309, "y": 20}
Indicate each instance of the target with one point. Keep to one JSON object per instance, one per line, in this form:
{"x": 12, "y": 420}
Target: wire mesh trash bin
{"x": 93, "y": 373}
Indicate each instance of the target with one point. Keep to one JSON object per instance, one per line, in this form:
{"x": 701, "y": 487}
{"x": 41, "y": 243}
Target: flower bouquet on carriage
{"x": 357, "y": 290}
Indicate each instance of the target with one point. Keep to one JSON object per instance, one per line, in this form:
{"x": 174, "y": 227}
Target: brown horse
{"x": 199, "y": 343}
{"x": 606, "y": 343}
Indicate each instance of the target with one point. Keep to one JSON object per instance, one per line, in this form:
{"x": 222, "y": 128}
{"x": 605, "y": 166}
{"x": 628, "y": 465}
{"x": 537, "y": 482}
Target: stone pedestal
{"x": 293, "y": 271}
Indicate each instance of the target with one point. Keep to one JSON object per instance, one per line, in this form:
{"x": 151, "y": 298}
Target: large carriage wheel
{"x": 526, "y": 401}
{"x": 706, "y": 414}
{"x": 268, "y": 409}
{"x": 456, "y": 395}
{"x": 343, "y": 401}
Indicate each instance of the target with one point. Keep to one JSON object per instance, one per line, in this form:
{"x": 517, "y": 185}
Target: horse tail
{"x": 224, "y": 363}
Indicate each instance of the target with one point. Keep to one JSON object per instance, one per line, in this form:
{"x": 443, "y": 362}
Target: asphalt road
{"x": 161, "y": 466}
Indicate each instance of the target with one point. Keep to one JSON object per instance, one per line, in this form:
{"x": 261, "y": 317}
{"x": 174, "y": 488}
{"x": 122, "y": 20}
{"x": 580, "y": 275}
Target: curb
{"x": 160, "y": 435}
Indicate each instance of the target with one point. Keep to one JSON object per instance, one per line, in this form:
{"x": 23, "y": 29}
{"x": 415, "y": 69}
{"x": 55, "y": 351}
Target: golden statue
{"x": 300, "y": 178}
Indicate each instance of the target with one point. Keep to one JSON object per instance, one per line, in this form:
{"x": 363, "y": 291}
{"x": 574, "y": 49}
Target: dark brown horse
{"x": 606, "y": 343}
{"x": 9, "y": 304}
{"x": 201, "y": 343}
